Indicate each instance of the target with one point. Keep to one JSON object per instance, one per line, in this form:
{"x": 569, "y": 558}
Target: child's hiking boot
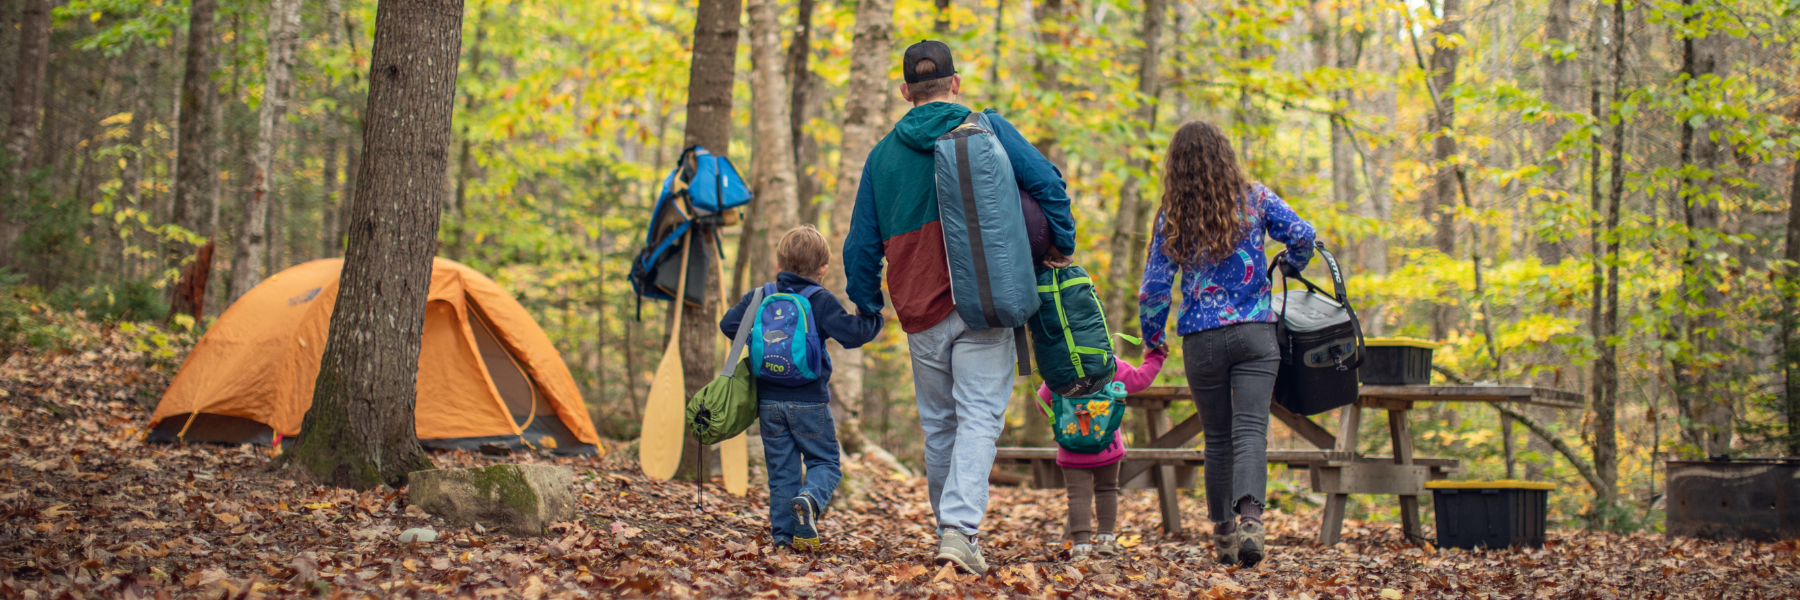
{"x": 960, "y": 549}
{"x": 1225, "y": 545}
{"x": 1080, "y": 552}
{"x": 1107, "y": 545}
{"x": 806, "y": 527}
{"x": 1251, "y": 532}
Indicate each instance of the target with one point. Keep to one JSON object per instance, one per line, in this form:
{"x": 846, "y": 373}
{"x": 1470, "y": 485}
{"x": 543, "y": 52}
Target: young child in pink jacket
{"x": 1093, "y": 479}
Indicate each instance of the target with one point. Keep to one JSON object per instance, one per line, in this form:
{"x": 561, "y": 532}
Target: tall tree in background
{"x": 1706, "y": 408}
{"x": 773, "y": 175}
{"x": 1439, "y": 205}
{"x": 710, "y": 76}
{"x": 865, "y": 117}
{"x": 284, "y": 36}
{"x": 359, "y": 432}
{"x": 1606, "y": 310}
{"x": 195, "y": 184}
{"x": 1790, "y": 327}
{"x": 22, "y": 124}
{"x": 1130, "y": 226}
{"x": 800, "y": 111}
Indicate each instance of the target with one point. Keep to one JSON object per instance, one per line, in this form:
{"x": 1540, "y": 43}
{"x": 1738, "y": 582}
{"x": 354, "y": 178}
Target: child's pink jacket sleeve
{"x": 1136, "y": 379}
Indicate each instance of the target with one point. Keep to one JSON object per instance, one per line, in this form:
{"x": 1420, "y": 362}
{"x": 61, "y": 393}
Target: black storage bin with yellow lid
{"x": 1490, "y": 514}
{"x": 1397, "y": 361}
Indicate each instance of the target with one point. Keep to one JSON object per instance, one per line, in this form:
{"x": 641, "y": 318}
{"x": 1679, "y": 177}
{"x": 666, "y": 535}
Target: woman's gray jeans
{"x": 1231, "y": 371}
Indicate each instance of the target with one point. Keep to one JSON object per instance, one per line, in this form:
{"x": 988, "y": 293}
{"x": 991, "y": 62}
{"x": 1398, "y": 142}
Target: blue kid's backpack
{"x": 784, "y": 342}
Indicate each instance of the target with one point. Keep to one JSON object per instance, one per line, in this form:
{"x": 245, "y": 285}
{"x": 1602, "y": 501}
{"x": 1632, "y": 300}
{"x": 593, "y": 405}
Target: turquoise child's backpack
{"x": 784, "y": 346}
{"x": 1086, "y": 425}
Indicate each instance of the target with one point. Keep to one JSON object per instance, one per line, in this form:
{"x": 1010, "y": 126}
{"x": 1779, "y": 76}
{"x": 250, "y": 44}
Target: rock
{"x": 517, "y": 498}
{"x": 418, "y": 534}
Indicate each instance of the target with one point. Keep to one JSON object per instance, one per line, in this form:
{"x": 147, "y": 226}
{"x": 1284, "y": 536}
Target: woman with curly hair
{"x": 1210, "y": 228}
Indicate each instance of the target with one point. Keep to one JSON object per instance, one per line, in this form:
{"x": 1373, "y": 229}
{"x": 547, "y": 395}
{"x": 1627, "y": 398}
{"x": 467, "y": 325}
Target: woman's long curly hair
{"x": 1204, "y": 197}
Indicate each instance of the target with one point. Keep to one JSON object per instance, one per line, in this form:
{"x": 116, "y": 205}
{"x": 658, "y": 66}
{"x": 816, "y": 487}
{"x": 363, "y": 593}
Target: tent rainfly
{"x": 487, "y": 372}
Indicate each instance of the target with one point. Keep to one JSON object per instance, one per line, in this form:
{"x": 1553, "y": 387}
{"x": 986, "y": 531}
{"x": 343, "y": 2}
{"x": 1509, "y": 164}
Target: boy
{"x": 796, "y": 419}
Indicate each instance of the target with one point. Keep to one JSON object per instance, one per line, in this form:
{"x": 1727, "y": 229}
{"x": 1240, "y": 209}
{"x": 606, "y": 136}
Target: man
{"x": 962, "y": 377}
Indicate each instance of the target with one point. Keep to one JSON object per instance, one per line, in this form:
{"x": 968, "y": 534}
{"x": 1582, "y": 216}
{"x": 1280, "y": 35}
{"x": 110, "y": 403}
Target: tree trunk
{"x": 773, "y": 176}
{"x": 1606, "y": 365}
{"x": 194, "y": 180}
{"x": 1558, "y": 81}
{"x": 800, "y": 111}
{"x": 465, "y": 160}
{"x": 865, "y": 117}
{"x": 1131, "y": 224}
{"x": 284, "y": 36}
{"x": 1341, "y": 48}
{"x": 359, "y": 432}
{"x": 1790, "y": 331}
{"x": 1439, "y": 205}
{"x": 1710, "y": 416}
{"x": 942, "y": 24}
{"x": 710, "y": 76}
{"x": 1051, "y": 25}
{"x": 27, "y": 100}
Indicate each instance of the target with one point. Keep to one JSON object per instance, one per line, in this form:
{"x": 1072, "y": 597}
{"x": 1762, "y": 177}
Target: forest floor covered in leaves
{"x": 88, "y": 510}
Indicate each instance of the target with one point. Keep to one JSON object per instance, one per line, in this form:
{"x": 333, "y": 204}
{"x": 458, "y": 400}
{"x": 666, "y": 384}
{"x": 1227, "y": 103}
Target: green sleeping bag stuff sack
{"x": 727, "y": 405}
{"x": 1069, "y": 337}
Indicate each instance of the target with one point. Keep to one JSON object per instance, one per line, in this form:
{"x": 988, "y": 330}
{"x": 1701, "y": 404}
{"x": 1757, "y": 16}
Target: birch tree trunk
{"x": 773, "y": 174}
{"x": 710, "y": 76}
{"x": 865, "y": 118}
{"x": 284, "y": 36}
{"x": 359, "y": 432}
{"x": 1131, "y": 224}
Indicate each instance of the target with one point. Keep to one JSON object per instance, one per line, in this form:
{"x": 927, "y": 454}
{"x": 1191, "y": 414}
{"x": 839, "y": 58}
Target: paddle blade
{"x": 659, "y": 444}
{"x": 735, "y": 455}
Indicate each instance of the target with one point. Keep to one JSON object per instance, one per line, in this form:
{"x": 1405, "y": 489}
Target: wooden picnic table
{"x": 1337, "y": 469}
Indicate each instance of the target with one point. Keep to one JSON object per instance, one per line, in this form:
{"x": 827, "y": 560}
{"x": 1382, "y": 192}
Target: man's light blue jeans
{"x": 962, "y": 379}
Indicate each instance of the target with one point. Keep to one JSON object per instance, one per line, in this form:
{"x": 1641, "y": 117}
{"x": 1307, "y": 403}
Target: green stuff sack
{"x": 727, "y": 405}
{"x": 1087, "y": 425}
{"x": 1069, "y": 337}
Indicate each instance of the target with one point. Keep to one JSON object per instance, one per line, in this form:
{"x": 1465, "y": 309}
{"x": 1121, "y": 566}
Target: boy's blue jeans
{"x": 792, "y": 433}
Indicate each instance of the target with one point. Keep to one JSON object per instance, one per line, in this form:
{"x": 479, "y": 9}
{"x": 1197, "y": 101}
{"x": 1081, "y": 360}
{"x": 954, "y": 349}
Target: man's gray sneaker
{"x": 1107, "y": 545}
{"x": 957, "y": 548}
{"x": 1251, "y": 532}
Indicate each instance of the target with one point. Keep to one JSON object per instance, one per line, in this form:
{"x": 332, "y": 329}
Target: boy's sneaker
{"x": 957, "y": 548}
{"x": 1107, "y": 545}
{"x": 806, "y": 528}
{"x": 1251, "y": 533}
{"x": 1080, "y": 552}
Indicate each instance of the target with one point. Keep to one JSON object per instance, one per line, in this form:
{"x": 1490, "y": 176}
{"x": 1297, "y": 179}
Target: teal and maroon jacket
{"x": 896, "y": 214}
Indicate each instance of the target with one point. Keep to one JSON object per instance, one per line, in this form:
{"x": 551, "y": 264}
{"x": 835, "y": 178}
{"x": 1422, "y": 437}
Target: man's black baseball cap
{"x": 936, "y": 52}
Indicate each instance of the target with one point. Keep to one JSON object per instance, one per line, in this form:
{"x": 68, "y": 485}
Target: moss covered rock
{"x": 521, "y": 499}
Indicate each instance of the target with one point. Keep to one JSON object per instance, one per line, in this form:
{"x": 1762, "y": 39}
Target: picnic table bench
{"x": 1337, "y": 469}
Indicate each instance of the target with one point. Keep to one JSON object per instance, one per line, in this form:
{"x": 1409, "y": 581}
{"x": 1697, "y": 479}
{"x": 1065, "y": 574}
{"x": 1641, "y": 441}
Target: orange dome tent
{"x": 487, "y": 373}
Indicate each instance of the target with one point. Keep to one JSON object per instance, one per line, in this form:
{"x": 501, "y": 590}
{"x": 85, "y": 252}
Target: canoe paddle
{"x": 659, "y": 442}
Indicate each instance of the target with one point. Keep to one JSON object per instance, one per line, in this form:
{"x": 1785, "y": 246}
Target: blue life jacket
{"x": 784, "y": 341}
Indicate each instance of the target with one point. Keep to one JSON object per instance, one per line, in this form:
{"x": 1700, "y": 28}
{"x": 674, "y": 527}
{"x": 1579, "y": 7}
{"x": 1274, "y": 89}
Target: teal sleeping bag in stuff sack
{"x": 992, "y": 278}
{"x": 1074, "y": 349}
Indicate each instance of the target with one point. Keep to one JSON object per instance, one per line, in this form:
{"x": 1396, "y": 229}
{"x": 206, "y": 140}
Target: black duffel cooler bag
{"x": 1321, "y": 342}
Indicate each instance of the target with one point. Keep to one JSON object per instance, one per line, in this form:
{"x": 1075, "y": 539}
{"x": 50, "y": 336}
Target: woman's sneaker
{"x": 1251, "y": 532}
{"x": 1107, "y": 545}
{"x": 806, "y": 528}
{"x": 957, "y": 548}
{"x": 1225, "y": 546}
